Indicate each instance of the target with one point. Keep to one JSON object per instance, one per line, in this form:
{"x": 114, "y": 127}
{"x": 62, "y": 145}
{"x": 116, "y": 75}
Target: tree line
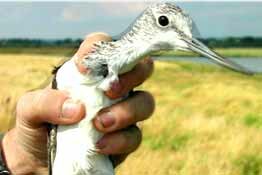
{"x": 38, "y": 43}
{"x": 73, "y": 43}
{"x": 234, "y": 42}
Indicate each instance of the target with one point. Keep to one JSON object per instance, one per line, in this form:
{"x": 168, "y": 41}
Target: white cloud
{"x": 11, "y": 12}
{"x": 71, "y": 14}
{"x": 86, "y": 11}
{"x": 124, "y": 8}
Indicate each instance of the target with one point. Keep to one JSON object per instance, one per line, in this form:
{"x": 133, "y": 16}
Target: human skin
{"x": 24, "y": 147}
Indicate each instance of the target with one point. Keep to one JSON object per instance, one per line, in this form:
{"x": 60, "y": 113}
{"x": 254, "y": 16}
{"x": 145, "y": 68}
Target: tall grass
{"x": 207, "y": 119}
{"x": 20, "y": 73}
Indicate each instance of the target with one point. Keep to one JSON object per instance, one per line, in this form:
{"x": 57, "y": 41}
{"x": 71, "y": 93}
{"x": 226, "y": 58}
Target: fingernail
{"x": 106, "y": 119}
{"x": 116, "y": 87}
{"x": 101, "y": 144}
{"x": 70, "y": 108}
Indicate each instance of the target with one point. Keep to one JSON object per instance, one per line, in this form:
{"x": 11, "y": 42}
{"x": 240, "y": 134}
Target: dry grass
{"x": 208, "y": 120}
{"x": 20, "y": 73}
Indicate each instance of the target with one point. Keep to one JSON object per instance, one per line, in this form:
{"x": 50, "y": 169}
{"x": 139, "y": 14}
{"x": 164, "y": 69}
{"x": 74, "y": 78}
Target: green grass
{"x": 180, "y": 141}
{"x": 249, "y": 164}
{"x": 165, "y": 141}
{"x": 253, "y": 120}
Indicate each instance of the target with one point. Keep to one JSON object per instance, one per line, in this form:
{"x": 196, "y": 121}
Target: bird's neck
{"x": 138, "y": 40}
{"x": 130, "y": 50}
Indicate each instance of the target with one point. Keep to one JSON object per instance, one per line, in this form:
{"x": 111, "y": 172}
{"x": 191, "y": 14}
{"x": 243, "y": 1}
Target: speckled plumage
{"x": 76, "y": 153}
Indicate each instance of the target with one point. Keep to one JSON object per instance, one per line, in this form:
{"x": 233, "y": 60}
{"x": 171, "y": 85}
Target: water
{"x": 253, "y": 64}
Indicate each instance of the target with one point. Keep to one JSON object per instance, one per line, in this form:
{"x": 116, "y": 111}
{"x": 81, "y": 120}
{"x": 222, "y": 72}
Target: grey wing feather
{"x": 98, "y": 60}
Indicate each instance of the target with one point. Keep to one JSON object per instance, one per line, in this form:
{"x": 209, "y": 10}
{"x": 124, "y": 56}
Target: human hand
{"x": 25, "y": 146}
{"x": 118, "y": 121}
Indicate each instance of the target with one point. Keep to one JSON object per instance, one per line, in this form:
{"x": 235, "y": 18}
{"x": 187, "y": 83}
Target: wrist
{"x": 16, "y": 159}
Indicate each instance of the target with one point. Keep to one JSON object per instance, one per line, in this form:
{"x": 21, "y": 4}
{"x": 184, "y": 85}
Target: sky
{"x": 58, "y": 20}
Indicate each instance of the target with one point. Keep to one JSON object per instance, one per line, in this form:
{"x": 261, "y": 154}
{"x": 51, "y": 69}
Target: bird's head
{"x": 171, "y": 26}
{"x": 167, "y": 27}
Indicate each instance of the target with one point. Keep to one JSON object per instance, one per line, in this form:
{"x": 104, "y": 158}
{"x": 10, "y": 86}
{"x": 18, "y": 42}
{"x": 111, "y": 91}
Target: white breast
{"x": 76, "y": 153}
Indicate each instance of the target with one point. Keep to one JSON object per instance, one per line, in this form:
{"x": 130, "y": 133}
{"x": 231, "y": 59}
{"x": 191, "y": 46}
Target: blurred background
{"x": 208, "y": 119}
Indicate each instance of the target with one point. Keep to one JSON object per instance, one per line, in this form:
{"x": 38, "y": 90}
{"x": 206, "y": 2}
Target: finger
{"x": 136, "y": 108}
{"x": 87, "y": 44}
{"x": 86, "y": 47}
{"x": 50, "y": 106}
{"x": 130, "y": 80}
{"x": 117, "y": 159}
{"x": 120, "y": 142}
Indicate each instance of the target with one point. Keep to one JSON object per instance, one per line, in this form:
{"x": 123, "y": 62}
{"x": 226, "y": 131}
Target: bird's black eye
{"x": 163, "y": 21}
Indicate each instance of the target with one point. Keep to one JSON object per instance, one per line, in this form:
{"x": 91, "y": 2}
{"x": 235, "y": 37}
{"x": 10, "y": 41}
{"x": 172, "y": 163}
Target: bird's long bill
{"x": 198, "y": 47}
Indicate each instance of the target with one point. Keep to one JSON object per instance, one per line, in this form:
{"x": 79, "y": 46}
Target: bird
{"x": 161, "y": 27}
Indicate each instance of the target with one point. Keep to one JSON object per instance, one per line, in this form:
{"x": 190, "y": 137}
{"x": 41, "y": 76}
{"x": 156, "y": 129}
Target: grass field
{"x": 58, "y": 51}
{"x": 208, "y": 120}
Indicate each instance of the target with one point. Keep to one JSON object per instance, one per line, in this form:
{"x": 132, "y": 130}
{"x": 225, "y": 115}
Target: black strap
{"x": 3, "y": 168}
{"x": 52, "y": 129}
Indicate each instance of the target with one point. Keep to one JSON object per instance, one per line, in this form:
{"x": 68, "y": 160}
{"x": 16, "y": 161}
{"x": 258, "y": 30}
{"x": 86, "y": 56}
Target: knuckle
{"x": 114, "y": 95}
{"x": 149, "y": 61}
{"x": 132, "y": 138}
{"x": 38, "y": 100}
{"x": 98, "y": 36}
{"x": 137, "y": 107}
{"x": 147, "y": 68}
{"x": 21, "y": 105}
{"x": 124, "y": 141}
{"x": 21, "y": 101}
{"x": 25, "y": 104}
{"x": 150, "y": 64}
{"x": 124, "y": 115}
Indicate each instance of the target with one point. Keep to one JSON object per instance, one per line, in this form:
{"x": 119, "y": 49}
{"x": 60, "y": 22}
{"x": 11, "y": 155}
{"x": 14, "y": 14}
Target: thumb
{"x": 49, "y": 106}
{"x": 87, "y": 44}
